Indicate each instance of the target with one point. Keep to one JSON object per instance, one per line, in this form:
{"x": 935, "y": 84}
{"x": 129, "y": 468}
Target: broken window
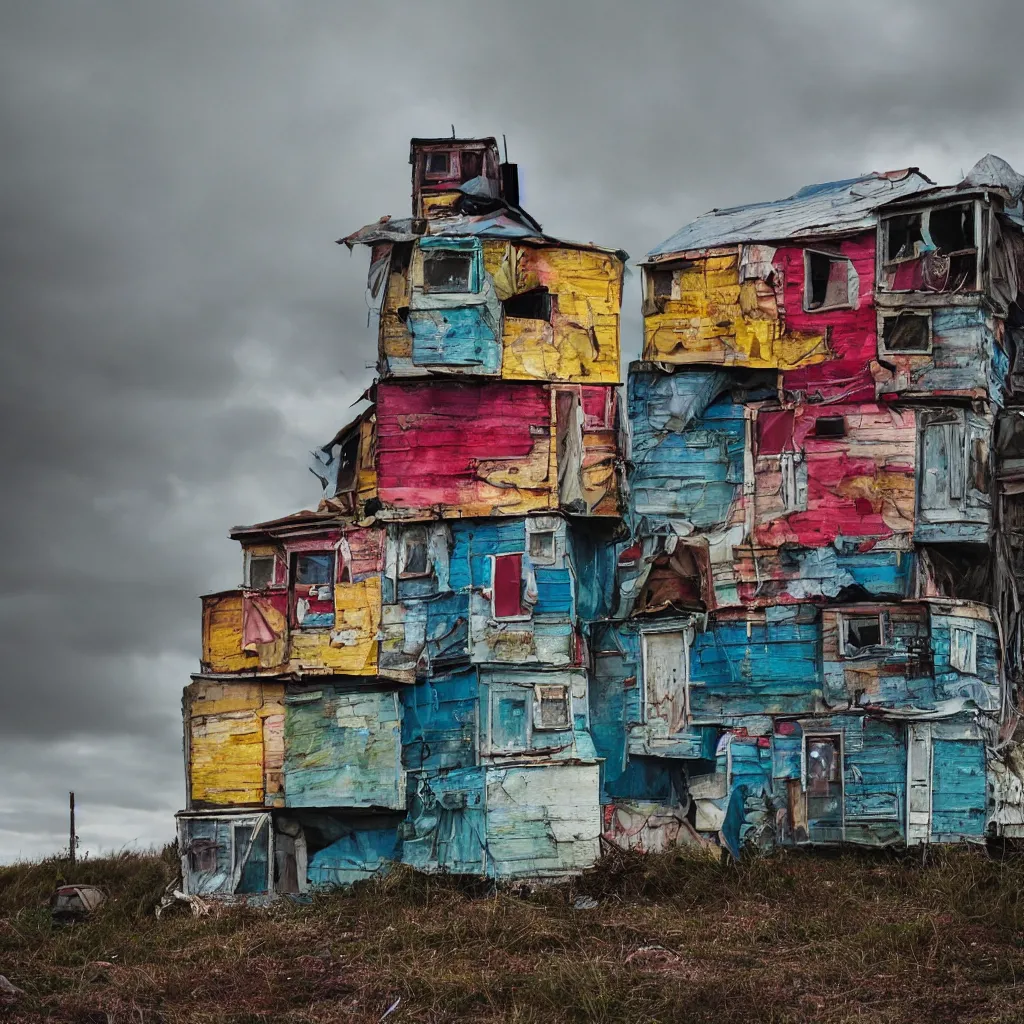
{"x": 415, "y": 553}
{"x": 962, "y": 650}
{"x": 531, "y": 305}
{"x": 542, "y": 547}
{"x": 314, "y": 567}
{"x": 348, "y": 463}
{"x": 506, "y": 587}
{"x": 447, "y": 271}
{"x": 438, "y": 165}
{"x": 793, "y": 486}
{"x": 934, "y": 250}
{"x": 249, "y": 857}
{"x": 824, "y": 760}
{"x": 827, "y": 281}
{"x": 861, "y": 634}
{"x": 907, "y": 333}
{"x": 830, "y": 426}
{"x": 551, "y": 707}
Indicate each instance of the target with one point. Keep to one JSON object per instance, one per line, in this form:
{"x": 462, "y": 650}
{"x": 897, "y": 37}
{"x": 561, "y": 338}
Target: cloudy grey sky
{"x": 178, "y": 327}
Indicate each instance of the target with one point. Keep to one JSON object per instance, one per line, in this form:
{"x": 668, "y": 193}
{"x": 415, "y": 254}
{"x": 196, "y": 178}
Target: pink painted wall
{"x": 847, "y": 377}
{"x": 432, "y": 438}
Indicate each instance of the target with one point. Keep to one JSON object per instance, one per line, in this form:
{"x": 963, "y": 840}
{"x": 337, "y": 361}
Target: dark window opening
{"x": 532, "y": 305}
{"x": 348, "y": 464}
{"x": 830, "y": 426}
{"x": 438, "y": 165}
{"x": 902, "y": 233}
{"x": 661, "y": 283}
{"x": 314, "y": 568}
{"x": 952, "y": 227}
{"x": 447, "y": 272}
{"x": 828, "y": 281}
{"x": 261, "y": 571}
{"x": 415, "y": 557}
{"x": 980, "y": 478}
{"x": 907, "y": 332}
{"x": 861, "y": 634}
{"x": 471, "y": 166}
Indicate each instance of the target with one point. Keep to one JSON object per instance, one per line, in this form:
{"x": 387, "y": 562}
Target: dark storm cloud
{"x": 178, "y": 327}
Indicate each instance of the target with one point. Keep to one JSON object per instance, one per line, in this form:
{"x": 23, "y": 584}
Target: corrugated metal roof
{"x": 831, "y": 208}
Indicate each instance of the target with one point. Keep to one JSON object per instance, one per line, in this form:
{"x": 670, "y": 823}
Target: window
{"x": 551, "y": 707}
{"x": 447, "y": 271}
{"x": 542, "y": 547}
{"x": 348, "y": 464}
{"x": 862, "y": 634}
{"x": 202, "y": 855}
{"x": 531, "y": 305}
{"x": 907, "y": 333}
{"x": 827, "y": 281}
{"x": 824, "y": 766}
{"x": 259, "y": 571}
{"x": 315, "y": 567}
{"x": 506, "y": 587}
{"x": 661, "y": 282}
{"x": 510, "y": 723}
{"x": 793, "y": 485}
{"x": 438, "y": 165}
{"x": 962, "y": 650}
{"x": 415, "y": 555}
{"x": 934, "y": 250}
{"x": 830, "y": 426}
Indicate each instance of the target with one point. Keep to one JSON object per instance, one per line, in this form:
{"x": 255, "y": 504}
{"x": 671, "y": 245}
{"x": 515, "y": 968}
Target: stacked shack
{"x": 404, "y": 673}
{"x": 815, "y": 636}
{"x": 793, "y": 620}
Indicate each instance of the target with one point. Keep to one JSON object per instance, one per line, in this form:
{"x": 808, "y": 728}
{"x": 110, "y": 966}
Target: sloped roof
{"x": 831, "y": 208}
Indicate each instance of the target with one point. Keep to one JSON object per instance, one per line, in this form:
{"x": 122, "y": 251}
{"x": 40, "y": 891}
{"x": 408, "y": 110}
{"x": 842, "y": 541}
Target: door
{"x": 824, "y": 760}
{"x": 919, "y": 783}
{"x": 665, "y": 671}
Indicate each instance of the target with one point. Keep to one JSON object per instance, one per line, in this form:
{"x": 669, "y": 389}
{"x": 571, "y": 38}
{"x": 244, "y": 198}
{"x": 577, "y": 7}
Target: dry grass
{"x": 673, "y": 938}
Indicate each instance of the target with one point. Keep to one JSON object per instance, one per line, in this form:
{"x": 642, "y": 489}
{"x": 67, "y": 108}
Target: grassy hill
{"x": 671, "y": 938}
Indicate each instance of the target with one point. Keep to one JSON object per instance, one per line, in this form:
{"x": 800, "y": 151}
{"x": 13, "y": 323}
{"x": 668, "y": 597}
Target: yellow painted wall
{"x": 235, "y": 743}
{"x": 353, "y": 651}
{"x": 222, "y": 634}
{"x": 580, "y": 345}
{"x": 711, "y": 323}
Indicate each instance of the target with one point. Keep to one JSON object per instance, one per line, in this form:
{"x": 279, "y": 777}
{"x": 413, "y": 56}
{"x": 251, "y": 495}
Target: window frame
{"x": 970, "y": 667}
{"x": 521, "y": 617}
{"x": 923, "y": 314}
{"x": 684, "y": 633}
{"x": 538, "y": 697}
{"x": 437, "y": 254}
{"x": 451, "y": 171}
{"x": 542, "y": 559}
{"x": 795, "y": 502}
{"x": 417, "y": 534}
{"x": 498, "y": 692}
{"x": 247, "y": 583}
{"x": 851, "y": 653}
{"x": 832, "y": 258}
{"x": 294, "y": 580}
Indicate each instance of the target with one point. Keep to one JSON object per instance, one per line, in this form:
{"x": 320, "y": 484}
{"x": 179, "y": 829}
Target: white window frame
{"x": 793, "y": 482}
{"x": 496, "y": 693}
{"x": 844, "y": 620}
{"x": 924, "y": 314}
{"x": 509, "y": 618}
{"x": 542, "y": 559}
{"x": 538, "y": 725}
{"x": 970, "y": 667}
{"x": 453, "y": 165}
{"x": 835, "y": 258}
{"x": 407, "y": 534}
{"x": 247, "y": 569}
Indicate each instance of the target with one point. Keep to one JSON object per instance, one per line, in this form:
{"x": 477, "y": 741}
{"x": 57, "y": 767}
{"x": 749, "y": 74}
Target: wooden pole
{"x": 72, "y": 841}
